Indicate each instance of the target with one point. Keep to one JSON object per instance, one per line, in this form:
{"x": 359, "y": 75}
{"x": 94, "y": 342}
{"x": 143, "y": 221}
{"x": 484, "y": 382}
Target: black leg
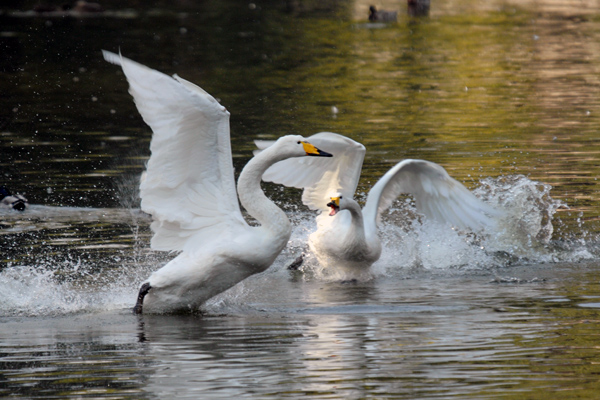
{"x": 140, "y": 300}
{"x": 296, "y": 264}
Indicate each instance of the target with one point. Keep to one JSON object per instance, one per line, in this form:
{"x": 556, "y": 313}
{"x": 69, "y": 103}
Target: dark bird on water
{"x": 9, "y": 200}
{"x": 419, "y": 8}
{"x": 382, "y": 15}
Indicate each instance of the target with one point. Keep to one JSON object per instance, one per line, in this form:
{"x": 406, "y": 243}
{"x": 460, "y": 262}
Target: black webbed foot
{"x": 140, "y": 300}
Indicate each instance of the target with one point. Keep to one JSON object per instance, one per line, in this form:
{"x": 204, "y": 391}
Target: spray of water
{"x": 524, "y": 234}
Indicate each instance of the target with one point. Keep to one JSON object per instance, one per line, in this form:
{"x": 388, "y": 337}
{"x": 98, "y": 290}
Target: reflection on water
{"x": 503, "y": 94}
{"x": 417, "y": 338}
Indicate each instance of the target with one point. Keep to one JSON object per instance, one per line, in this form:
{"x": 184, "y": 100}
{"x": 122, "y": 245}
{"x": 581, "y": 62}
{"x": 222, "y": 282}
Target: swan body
{"x": 189, "y": 190}
{"x": 347, "y": 237}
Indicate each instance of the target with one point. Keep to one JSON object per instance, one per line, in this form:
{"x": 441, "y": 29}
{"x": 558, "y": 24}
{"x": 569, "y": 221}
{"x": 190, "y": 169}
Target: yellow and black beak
{"x": 313, "y": 151}
{"x": 334, "y": 204}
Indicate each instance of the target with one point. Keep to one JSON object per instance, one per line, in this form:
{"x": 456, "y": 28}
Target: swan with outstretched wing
{"x": 189, "y": 189}
{"x": 347, "y": 236}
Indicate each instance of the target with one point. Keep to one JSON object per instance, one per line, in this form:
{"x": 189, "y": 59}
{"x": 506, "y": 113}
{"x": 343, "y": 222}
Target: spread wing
{"x": 189, "y": 186}
{"x": 320, "y": 177}
{"x": 437, "y": 195}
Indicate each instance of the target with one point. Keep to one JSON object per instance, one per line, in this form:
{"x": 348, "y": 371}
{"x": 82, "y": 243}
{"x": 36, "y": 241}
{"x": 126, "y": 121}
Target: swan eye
{"x": 341, "y": 197}
{"x": 299, "y": 142}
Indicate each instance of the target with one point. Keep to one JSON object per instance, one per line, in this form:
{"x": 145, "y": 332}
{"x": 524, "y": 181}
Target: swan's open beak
{"x": 335, "y": 205}
{"x": 313, "y": 151}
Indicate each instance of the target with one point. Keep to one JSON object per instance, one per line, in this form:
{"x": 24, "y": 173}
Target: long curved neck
{"x": 355, "y": 211}
{"x": 358, "y": 226}
{"x": 271, "y": 217}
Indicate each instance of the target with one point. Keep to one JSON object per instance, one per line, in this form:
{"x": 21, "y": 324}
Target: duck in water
{"x": 382, "y": 15}
{"x": 9, "y": 200}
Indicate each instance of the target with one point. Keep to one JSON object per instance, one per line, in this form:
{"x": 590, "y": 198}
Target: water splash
{"x": 524, "y": 233}
{"x": 72, "y": 279}
{"x": 528, "y": 211}
{"x": 31, "y": 291}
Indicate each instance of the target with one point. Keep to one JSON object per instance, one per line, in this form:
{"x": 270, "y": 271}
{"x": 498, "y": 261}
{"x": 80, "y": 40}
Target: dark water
{"x": 505, "y": 95}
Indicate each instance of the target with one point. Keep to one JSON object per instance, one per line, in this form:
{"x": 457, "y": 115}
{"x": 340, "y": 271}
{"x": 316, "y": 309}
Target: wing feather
{"x": 437, "y": 195}
{"x": 189, "y": 186}
{"x": 320, "y": 177}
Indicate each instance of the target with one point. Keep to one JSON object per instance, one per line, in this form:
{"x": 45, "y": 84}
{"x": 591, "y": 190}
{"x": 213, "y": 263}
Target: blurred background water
{"x": 502, "y": 93}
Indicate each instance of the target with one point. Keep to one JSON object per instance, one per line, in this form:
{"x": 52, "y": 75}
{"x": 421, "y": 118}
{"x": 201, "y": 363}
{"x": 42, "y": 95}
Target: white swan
{"x": 347, "y": 237}
{"x": 189, "y": 189}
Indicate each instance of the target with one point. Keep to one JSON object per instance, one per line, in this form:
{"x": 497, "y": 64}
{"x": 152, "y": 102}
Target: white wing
{"x": 437, "y": 195}
{"x": 319, "y": 176}
{"x": 189, "y": 186}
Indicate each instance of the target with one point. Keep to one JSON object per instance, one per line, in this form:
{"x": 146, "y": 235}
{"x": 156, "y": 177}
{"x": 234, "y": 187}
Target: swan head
{"x": 298, "y": 146}
{"x": 336, "y": 204}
